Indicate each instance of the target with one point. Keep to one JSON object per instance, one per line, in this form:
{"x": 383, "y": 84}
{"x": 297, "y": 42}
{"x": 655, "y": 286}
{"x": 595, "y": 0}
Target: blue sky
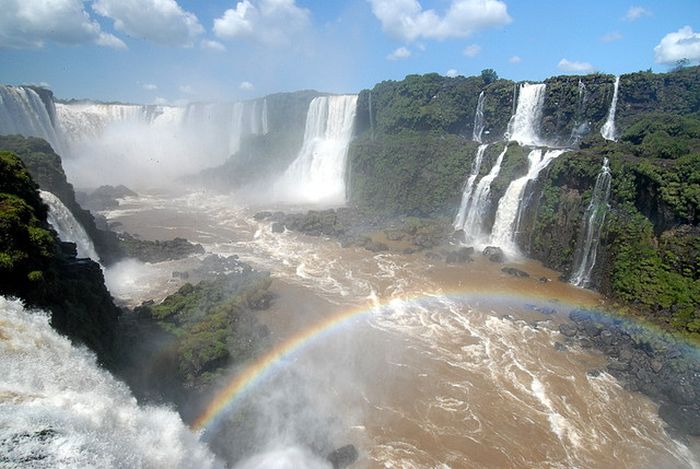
{"x": 186, "y": 50}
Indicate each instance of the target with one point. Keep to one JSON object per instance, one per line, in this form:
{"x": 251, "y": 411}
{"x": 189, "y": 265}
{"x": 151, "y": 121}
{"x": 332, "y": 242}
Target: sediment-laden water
{"x": 432, "y": 366}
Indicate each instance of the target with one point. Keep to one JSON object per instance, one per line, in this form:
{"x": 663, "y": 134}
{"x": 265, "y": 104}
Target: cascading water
{"x": 594, "y": 218}
{"x": 23, "y": 112}
{"x": 317, "y": 175}
{"x": 67, "y": 227}
{"x": 510, "y": 205}
{"x": 59, "y": 409}
{"x": 608, "y": 129}
{"x": 580, "y": 127}
{"x": 479, "y": 124}
{"x": 461, "y": 216}
{"x": 525, "y": 124}
{"x": 480, "y": 201}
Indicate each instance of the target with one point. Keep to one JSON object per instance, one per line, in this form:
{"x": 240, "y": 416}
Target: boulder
{"x": 568, "y": 330}
{"x": 343, "y": 457}
{"x": 277, "y": 227}
{"x": 515, "y": 272}
{"x": 494, "y": 253}
{"x": 460, "y": 256}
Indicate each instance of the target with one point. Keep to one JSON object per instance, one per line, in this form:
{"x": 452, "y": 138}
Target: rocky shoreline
{"x": 646, "y": 361}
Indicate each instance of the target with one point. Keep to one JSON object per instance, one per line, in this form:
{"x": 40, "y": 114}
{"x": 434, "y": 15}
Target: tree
{"x": 680, "y": 65}
{"x": 489, "y": 75}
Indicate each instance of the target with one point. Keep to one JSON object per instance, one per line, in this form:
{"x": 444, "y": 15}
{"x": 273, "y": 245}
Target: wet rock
{"x": 408, "y": 251}
{"x": 277, "y": 227}
{"x": 515, "y": 272}
{"x": 494, "y": 253}
{"x": 656, "y": 366}
{"x": 376, "y": 246}
{"x": 432, "y": 256}
{"x": 559, "y": 347}
{"x": 616, "y": 365}
{"x": 262, "y": 216}
{"x": 394, "y": 235}
{"x": 544, "y": 280}
{"x": 460, "y": 256}
{"x": 343, "y": 457}
{"x": 568, "y": 330}
{"x": 684, "y": 418}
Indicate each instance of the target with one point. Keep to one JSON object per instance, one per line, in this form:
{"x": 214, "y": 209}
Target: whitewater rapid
{"x": 59, "y": 409}
{"x": 451, "y": 365}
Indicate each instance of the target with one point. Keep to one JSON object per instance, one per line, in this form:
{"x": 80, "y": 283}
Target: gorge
{"x": 404, "y": 269}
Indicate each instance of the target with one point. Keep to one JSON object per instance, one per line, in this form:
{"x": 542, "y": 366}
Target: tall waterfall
{"x": 608, "y": 129}
{"x": 524, "y": 126}
{"x": 317, "y": 175}
{"x": 23, "y": 112}
{"x": 510, "y": 205}
{"x": 113, "y": 143}
{"x": 480, "y": 201}
{"x": 468, "y": 189}
{"x": 58, "y": 408}
{"x": 67, "y": 227}
{"x": 594, "y": 219}
{"x": 479, "y": 124}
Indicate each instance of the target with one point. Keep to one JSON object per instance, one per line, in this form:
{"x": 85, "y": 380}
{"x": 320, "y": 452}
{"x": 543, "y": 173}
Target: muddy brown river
{"x": 442, "y": 366}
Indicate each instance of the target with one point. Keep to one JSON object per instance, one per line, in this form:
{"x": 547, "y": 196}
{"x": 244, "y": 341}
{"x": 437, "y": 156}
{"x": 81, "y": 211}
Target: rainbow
{"x": 263, "y": 366}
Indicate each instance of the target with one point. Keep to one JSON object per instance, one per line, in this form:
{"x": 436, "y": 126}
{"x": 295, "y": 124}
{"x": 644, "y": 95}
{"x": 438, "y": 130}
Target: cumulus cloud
{"x": 516, "y": 59}
{"x": 150, "y": 87}
{"x": 400, "y": 53}
{"x": 636, "y": 12}
{"x": 682, "y": 44}
{"x": 472, "y": 50}
{"x": 408, "y": 21}
{"x": 187, "y": 89}
{"x": 611, "y": 37}
{"x": 574, "y": 66}
{"x": 213, "y": 45}
{"x": 246, "y": 86}
{"x": 161, "y": 21}
{"x": 32, "y": 23}
{"x": 271, "y": 22}
{"x": 452, "y": 73}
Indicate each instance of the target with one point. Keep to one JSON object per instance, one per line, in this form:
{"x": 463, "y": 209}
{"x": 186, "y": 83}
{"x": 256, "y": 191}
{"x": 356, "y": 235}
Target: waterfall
{"x": 60, "y": 409}
{"x": 608, "y": 129}
{"x": 479, "y": 118}
{"x": 594, "y": 218}
{"x": 317, "y": 175}
{"x": 525, "y": 124}
{"x": 67, "y": 227}
{"x": 264, "y": 124}
{"x": 510, "y": 205}
{"x": 23, "y": 112}
{"x": 580, "y": 127}
{"x": 480, "y": 200}
{"x": 468, "y": 189}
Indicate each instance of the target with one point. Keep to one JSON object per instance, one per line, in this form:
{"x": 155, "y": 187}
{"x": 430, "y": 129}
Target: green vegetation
{"x": 213, "y": 323}
{"x": 44, "y": 166}
{"x": 44, "y": 273}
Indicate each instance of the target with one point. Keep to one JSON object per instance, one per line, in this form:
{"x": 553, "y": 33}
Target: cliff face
{"x": 36, "y": 267}
{"x": 44, "y": 165}
{"x": 413, "y": 152}
{"x": 261, "y": 156}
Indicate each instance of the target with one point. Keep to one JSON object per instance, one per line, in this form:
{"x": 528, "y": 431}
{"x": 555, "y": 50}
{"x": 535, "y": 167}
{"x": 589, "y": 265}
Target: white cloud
{"x": 408, "y": 21}
{"x": 611, "y": 36}
{"x": 452, "y": 73}
{"x": 516, "y": 59}
{"x": 682, "y": 44}
{"x": 187, "y": 89}
{"x": 636, "y": 12}
{"x": 160, "y": 101}
{"x": 160, "y": 21}
{"x": 150, "y": 87}
{"x": 213, "y": 45}
{"x": 246, "y": 86}
{"x": 472, "y": 50}
{"x": 573, "y": 66}
{"x": 32, "y": 23}
{"x": 400, "y": 53}
{"x": 271, "y": 22}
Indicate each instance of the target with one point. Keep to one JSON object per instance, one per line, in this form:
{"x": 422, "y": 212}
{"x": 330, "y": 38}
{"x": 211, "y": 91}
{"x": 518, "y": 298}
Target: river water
{"x": 448, "y": 366}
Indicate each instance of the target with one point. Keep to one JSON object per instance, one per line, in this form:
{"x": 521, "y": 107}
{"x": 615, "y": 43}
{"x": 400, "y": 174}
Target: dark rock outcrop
{"x": 158, "y": 251}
